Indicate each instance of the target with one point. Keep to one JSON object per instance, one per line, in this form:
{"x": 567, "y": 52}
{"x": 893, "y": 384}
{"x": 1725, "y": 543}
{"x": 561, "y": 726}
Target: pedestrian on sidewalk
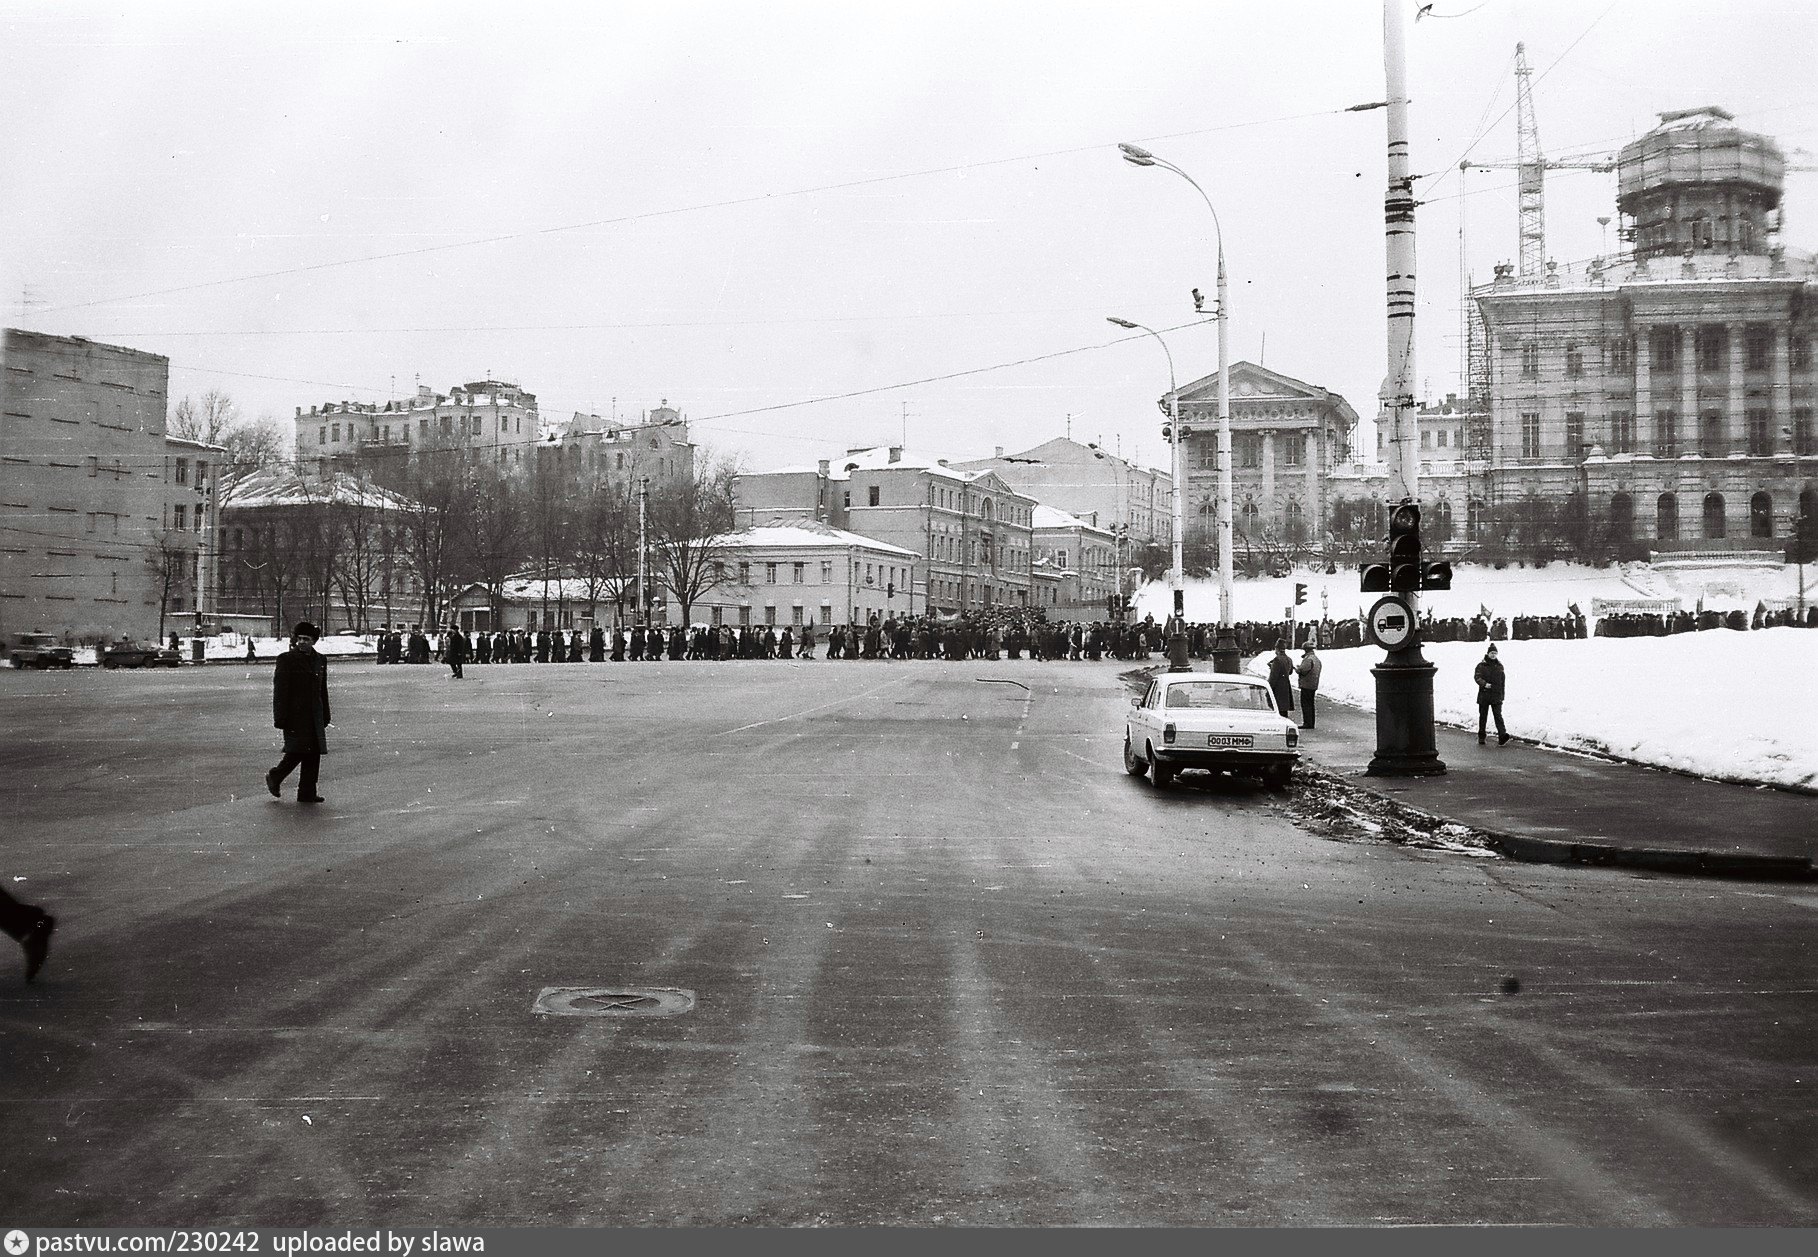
{"x": 1281, "y": 668}
{"x": 1491, "y": 681}
{"x": 299, "y": 706}
{"x": 30, "y": 926}
{"x": 1307, "y": 670}
{"x": 252, "y": 655}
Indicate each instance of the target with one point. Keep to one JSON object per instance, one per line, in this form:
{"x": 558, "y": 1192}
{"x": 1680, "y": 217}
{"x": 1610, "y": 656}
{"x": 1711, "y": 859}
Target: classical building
{"x": 1667, "y": 389}
{"x": 1135, "y": 504}
{"x": 971, "y": 529}
{"x": 1287, "y": 436}
{"x": 487, "y": 420}
{"x": 1081, "y": 560}
{"x": 106, "y": 521}
{"x": 801, "y": 571}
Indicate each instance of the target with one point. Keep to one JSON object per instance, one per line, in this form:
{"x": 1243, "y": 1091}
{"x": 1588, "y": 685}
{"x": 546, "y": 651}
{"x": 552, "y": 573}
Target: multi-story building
{"x": 973, "y": 531}
{"x": 802, "y": 571}
{"x": 597, "y": 451}
{"x": 1081, "y": 557}
{"x": 487, "y": 420}
{"x": 1287, "y": 437}
{"x": 1668, "y": 389}
{"x": 105, "y": 520}
{"x": 1134, "y": 503}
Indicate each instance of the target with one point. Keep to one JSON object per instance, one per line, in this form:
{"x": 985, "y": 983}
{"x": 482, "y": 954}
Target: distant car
{"x": 125, "y": 654}
{"x": 40, "y": 650}
{"x": 1217, "y": 721}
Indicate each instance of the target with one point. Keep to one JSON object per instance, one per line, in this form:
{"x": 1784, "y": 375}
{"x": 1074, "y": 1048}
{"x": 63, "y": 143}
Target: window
{"x": 719, "y": 616}
{"x": 1800, "y": 353}
{"x": 1252, "y": 452}
{"x": 1710, "y": 434}
{"x": 322, "y": 435}
{"x": 335, "y": 431}
{"x": 871, "y": 496}
{"x": 1426, "y": 439}
{"x": 745, "y": 617}
{"x": 1530, "y": 434}
{"x": 1666, "y": 517}
{"x": 198, "y": 517}
{"x": 770, "y": 615}
{"x": 1574, "y": 360}
{"x": 1756, "y": 348}
{"x": 94, "y": 465}
{"x": 800, "y": 573}
{"x": 1622, "y": 354}
{"x": 826, "y": 573}
{"x": 1710, "y": 341}
{"x": 1714, "y": 523}
{"x": 1622, "y": 517}
{"x": 1666, "y": 433}
{"x": 1663, "y": 348}
{"x": 180, "y": 517}
{"x": 846, "y": 499}
{"x": 1761, "y": 436}
{"x": 1293, "y": 449}
{"x": 182, "y": 471}
{"x": 1802, "y": 431}
{"x": 744, "y": 572}
{"x": 1622, "y": 432}
{"x": 770, "y": 574}
{"x": 447, "y": 424}
{"x": 1439, "y": 438}
{"x": 423, "y": 429}
{"x": 1530, "y": 362}
{"x": 1574, "y": 434}
{"x": 1761, "y": 515}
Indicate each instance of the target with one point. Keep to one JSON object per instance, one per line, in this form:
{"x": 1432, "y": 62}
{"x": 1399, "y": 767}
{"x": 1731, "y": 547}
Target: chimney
{"x": 997, "y": 451}
{"x": 299, "y": 412}
{"x": 896, "y": 453}
{"x": 825, "y": 465}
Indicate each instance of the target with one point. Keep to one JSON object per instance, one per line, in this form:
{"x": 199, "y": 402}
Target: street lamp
{"x": 1177, "y": 634}
{"x": 1224, "y": 650}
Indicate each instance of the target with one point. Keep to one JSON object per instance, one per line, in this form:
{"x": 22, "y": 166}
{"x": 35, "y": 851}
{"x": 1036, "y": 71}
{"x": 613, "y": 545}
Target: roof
{"x": 1270, "y": 383}
{"x": 277, "y": 487}
{"x": 805, "y": 534}
{"x": 1616, "y": 271}
{"x": 1048, "y": 517}
{"x": 877, "y": 458}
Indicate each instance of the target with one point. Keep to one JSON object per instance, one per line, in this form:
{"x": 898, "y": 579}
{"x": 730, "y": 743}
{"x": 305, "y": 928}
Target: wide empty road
{"x": 949, "y": 964}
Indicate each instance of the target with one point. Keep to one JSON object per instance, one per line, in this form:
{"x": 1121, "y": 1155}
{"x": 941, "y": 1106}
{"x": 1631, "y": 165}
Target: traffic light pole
{"x": 1405, "y": 744}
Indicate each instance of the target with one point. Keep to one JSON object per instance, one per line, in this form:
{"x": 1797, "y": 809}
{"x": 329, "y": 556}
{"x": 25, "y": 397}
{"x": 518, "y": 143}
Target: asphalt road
{"x": 951, "y": 966}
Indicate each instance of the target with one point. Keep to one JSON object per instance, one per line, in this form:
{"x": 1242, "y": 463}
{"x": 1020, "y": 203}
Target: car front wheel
{"x": 1132, "y": 765}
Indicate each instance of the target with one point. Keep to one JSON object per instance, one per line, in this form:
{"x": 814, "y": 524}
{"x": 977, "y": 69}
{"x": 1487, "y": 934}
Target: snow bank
{"x": 1735, "y": 705}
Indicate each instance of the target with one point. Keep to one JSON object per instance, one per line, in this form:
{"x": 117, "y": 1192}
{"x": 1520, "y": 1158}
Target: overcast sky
{"x": 742, "y": 208}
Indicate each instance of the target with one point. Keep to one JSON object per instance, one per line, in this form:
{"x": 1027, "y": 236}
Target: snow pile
{"x": 1741, "y": 706}
{"x": 233, "y": 646}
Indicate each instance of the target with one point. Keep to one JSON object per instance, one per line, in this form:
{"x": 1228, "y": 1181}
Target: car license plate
{"x": 1241, "y": 740}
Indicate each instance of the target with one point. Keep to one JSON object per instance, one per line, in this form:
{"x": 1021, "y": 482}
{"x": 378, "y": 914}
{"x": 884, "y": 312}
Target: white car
{"x": 1218, "y": 721}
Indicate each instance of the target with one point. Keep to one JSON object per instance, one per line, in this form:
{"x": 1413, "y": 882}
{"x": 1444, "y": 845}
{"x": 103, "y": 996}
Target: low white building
{"x": 801, "y": 571}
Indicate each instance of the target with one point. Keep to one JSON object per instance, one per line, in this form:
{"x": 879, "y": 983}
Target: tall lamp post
{"x": 1177, "y": 633}
{"x": 1224, "y": 648}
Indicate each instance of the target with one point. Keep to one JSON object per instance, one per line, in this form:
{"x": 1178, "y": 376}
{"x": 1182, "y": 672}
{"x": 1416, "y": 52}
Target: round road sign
{"x": 1390, "y": 623}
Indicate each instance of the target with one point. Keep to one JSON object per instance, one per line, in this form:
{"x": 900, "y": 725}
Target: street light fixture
{"x": 1177, "y": 628}
{"x": 1224, "y": 649}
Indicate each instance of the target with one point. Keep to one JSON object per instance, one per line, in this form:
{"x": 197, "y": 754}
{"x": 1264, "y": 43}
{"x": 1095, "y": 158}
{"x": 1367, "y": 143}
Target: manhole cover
{"x": 613, "y": 1001}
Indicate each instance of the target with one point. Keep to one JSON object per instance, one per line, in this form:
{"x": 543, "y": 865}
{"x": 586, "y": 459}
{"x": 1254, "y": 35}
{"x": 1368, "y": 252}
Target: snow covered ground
{"x": 1741, "y": 706}
{"x": 1509, "y": 592}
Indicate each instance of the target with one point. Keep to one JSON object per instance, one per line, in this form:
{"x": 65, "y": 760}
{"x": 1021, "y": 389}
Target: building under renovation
{"x": 1664, "y": 392}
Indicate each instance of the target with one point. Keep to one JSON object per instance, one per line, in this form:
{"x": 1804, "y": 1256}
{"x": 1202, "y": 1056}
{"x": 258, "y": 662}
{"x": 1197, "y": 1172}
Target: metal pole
{"x": 643, "y": 589}
{"x": 1224, "y": 647}
{"x": 1405, "y": 743}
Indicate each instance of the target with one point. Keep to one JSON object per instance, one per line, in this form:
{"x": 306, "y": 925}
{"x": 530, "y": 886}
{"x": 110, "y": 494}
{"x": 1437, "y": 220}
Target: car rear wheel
{"x": 1161, "y": 774}
{"x": 1132, "y": 765}
{"x": 1278, "y": 778}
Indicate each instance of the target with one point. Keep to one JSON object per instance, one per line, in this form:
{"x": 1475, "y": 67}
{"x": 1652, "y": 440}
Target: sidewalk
{"x": 1562, "y": 807}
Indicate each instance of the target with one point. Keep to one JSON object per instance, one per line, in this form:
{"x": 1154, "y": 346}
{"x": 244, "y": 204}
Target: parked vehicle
{"x": 129, "y": 654}
{"x": 41, "y": 650}
{"x": 1220, "y": 722}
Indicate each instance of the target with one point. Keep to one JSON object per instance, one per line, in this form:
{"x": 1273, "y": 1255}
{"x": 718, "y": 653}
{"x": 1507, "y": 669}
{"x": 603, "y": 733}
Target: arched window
{"x": 1622, "y": 517}
{"x": 1666, "y": 518}
{"x": 1761, "y": 515}
{"x": 1246, "y": 522}
{"x": 1713, "y": 516}
{"x": 1442, "y": 520}
{"x": 1474, "y": 516}
{"x": 1808, "y": 503}
{"x": 1296, "y": 523}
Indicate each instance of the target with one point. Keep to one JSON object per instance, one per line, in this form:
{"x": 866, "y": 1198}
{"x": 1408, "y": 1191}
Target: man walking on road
{"x": 454, "y": 652}
{"x": 31, "y": 927}
{"x": 299, "y": 706}
{"x": 1308, "y": 671}
{"x": 1490, "y": 680}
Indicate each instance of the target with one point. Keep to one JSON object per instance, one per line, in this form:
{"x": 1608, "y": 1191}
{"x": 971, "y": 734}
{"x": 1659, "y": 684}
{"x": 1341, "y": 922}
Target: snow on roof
{"x": 282, "y": 487}
{"x": 1049, "y": 517}
{"x": 806, "y": 534}
{"x": 877, "y": 458}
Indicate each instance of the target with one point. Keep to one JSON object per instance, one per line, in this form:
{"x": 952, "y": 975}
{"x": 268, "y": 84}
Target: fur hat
{"x": 305, "y": 629}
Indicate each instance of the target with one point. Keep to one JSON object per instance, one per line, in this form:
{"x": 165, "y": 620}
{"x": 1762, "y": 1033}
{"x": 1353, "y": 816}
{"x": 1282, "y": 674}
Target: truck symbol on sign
{"x": 1391, "y": 621}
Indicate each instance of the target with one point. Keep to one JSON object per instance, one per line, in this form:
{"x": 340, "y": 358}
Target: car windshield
{"x": 1224, "y": 695}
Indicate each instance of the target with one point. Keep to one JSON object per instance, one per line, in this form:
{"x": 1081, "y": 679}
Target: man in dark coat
{"x": 454, "y": 650}
{"x": 299, "y": 706}
{"x": 1281, "y": 673}
{"x": 1491, "y": 680}
{"x": 596, "y": 645}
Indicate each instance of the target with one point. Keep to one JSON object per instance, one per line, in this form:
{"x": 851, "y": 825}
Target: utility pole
{"x": 1405, "y": 743}
{"x": 643, "y": 573}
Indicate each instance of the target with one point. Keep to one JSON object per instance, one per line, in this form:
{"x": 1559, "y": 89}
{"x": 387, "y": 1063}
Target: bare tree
{"x": 434, "y": 521}
{"x": 604, "y": 545}
{"x": 252, "y": 446}
{"x": 171, "y": 560}
{"x": 492, "y": 541}
{"x": 688, "y": 523}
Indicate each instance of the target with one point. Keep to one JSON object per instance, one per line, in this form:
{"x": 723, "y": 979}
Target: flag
{"x": 1573, "y": 608}
{"x": 1484, "y": 612}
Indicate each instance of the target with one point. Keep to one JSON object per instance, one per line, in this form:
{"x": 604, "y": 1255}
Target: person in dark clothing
{"x": 596, "y": 645}
{"x": 454, "y": 650}
{"x": 1491, "y": 681}
{"x": 251, "y": 654}
{"x": 299, "y": 706}
{"x": 1281, "y": 673}
{"x": 30, "y": 926}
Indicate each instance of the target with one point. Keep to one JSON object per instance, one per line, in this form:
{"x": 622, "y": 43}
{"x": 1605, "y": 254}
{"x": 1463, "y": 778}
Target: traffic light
{"x": 1436, "y": 575}
{"x": 1300, "y": 594}
{"x": 1111, "y": 605}
{"x": 1375, "y": 578}
{"x": 1404, "y": 548}
{"x": 890, "y": 590}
